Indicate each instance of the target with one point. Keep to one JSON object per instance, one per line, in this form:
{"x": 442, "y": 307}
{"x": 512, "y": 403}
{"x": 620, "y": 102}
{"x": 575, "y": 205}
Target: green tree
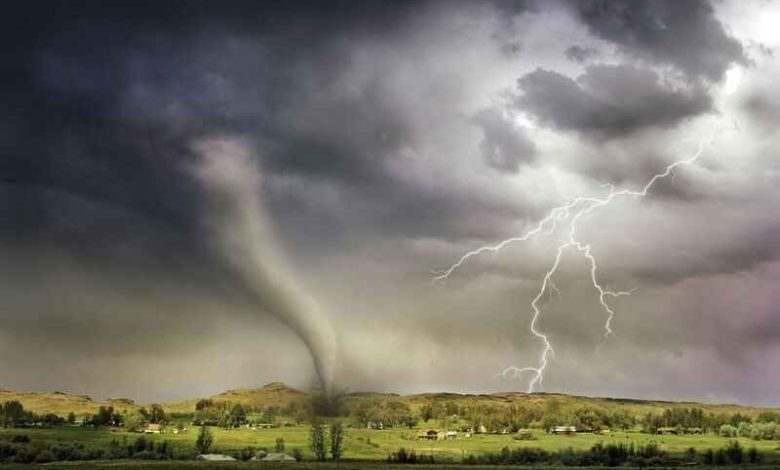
{"x": 71, "y": 418}
{"x": 104, "y": 416}
{"x": 336, "y": 441}
{"x": 157, "y": 414}
{"x": 317, "y": 441}
{"x": 237, "y": 416}
{"x": 204, "y": 441}
{"x": 279, "y": 447}
{"x": 204, "y": 403}
{"x": 134, "y": 421}
{"x": 11, "y": 413}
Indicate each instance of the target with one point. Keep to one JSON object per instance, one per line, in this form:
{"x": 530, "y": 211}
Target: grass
{"x": 365, "y": 444}
{"x": 195, "y": 465}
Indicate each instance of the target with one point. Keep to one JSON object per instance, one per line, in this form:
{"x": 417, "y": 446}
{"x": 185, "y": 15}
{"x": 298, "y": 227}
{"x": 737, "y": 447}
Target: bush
{"x": 524, "y": 436}
{"x": 147, "y": 455}
{"x": 734, "y": 453}
{"x": 44, "y": 456}
{"x": 297, "y": 454}
{"x": 402, "y": 456}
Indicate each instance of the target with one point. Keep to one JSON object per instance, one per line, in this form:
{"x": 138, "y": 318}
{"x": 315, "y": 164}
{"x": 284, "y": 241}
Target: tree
{"x": 317, "y": 441}
{"x": 204, "y": 403}
{"x": 279, "y": 444}
{"x": 104, "y": 416}
{"x": 204, "y": 441}
{"x": 336, "y": 441}
{"x": 134, "y": 421}
{"x": 71, "y": 418}
{"x": 237, "y": 416}
{"x": 728, "y": 430}
{"x": 157, "y": 414}
{"x": 11, "y": 413}
{"x": 429, "y": 411}
{"x": 410, "y": 422}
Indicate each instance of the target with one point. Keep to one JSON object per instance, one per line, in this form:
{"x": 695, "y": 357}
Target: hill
{"x": 272, "y": 394}
{"x": 62, "y": 403}
{"x": 282, "y": 396}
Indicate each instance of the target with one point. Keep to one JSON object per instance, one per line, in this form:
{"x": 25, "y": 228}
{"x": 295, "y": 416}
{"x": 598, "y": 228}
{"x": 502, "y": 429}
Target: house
{"x": 431, "y": 434}
{"x": 677, "y": 430}
{"x": 261, "y": 426}
{"x": 79, "y": 422}
{"x": 278, "y": 457}
{"x": 668, "y": 430}
{"x": 216, "y": 457}
{"x": 563, "y": 430}
{"x": 154, "y": 428}
{"x": 375, "y": 425}
{"x": 451, "y": 434}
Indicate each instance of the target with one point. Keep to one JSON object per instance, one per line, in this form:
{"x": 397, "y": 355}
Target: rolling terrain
{"x": 281, "y": 395}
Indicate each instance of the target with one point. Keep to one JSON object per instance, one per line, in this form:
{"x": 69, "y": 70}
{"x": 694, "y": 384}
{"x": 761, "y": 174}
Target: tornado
{"x": 244, "y": 236}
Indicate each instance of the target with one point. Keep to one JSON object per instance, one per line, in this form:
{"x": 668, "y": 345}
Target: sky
{"x": 197, "y": 196}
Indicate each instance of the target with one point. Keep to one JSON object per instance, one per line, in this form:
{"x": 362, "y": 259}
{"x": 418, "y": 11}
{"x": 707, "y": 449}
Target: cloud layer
{"x": 391, "y": 138}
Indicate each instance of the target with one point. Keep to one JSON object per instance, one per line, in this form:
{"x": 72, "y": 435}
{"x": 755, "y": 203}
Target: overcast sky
{"x": 197, "y": 196}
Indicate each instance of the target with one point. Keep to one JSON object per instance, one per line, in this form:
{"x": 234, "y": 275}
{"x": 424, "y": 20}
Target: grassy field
{"x": 365, "y": 444}
{"x": 362, "y": 445}
{"x": 193, "y": 465}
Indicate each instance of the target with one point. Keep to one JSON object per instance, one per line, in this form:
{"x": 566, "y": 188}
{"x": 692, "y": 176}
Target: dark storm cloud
{"x": 684, "y": 34}
{"x": 608, "y": 100}
{"x": 378, "y": 165}
{"x": 504, "y": 145}
{"x": 104, "y": 101}
{"x": 580, "y": 54}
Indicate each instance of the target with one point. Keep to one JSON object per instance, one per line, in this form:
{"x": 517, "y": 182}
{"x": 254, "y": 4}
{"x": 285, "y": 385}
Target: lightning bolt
{"x": 569, "y": 215}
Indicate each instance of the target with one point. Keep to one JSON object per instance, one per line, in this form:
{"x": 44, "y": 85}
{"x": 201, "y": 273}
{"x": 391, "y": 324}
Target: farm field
{"x": 366, "y": 444}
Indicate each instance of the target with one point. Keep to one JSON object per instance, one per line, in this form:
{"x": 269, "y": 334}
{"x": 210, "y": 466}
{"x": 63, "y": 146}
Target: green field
{"x": 191, "y": 465}
{"x": 372, "y": 447}
{"x": 365, "y": 444}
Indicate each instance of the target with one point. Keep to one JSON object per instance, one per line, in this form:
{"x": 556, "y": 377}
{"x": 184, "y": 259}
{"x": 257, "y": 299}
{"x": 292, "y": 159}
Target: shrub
{"x": 297, "y": 454}
{"x": 44, "y": 456}
{"x": 205, "y": 440}
{"x": 147, "y": 455}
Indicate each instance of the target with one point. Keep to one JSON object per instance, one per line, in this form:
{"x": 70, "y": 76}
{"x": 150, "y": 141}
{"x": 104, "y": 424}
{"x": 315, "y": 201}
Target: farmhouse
{"x": 431, "y": 434}
{"x": 677, "y": 430}
{"x": 563, "y": 430}
{"x": 154, "y": 428}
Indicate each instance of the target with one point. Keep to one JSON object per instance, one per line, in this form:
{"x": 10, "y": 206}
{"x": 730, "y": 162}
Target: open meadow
{"x": 441, "y": 428}
{"x": 369, "y": 444}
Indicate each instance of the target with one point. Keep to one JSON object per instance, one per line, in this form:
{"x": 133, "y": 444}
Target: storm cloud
{"x": 686, "y": 34}
{"x": 391, "y": 138}
{"x": 504, "y": 146}
{"x": 608, "y": 100}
